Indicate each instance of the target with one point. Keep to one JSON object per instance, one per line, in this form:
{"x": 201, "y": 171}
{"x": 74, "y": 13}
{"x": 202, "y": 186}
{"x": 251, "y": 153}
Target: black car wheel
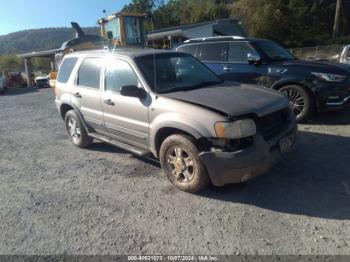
{"x": 180, "y": 162}
{"x": 300, "y": 101}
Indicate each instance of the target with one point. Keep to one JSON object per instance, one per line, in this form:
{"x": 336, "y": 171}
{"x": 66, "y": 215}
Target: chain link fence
{"x": 330, "y": 52}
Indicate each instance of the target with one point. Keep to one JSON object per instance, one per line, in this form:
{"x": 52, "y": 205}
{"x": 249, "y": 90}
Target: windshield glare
{"x": 167, "y": 73}
{"x": 273, "y": 51}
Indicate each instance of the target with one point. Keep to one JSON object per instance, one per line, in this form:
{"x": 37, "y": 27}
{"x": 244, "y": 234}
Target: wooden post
{"x": 336, "y": 21}
{"x": 27, "y": 71}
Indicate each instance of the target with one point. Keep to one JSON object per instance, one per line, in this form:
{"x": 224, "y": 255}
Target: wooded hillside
{"x": 37, "y": 39}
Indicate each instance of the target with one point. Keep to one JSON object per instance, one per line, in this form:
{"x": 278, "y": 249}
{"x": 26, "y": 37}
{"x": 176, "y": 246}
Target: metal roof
{"x": 179, "y": 30}
{"x": 129, "y": 52}
{"x": 46, "y": 53}
{"x": 189, "y": 26}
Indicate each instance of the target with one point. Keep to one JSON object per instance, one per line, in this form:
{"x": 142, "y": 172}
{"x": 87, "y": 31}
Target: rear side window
{"x": 89, "y": 73}
{"x": 189, "y": 49}
{"x": 213, "y": 52}
{"x": 238, "y": 52}
{"x": 66, "y": 69}
{"x": 118, "y": 74}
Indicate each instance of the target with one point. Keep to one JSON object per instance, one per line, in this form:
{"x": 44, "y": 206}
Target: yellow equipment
{"x": 124, "y": 29}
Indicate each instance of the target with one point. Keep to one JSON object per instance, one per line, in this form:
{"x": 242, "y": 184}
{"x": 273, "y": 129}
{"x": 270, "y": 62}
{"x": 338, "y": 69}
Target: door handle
{"x": 77, "y": 95}
{"x": 109, "y": 102}
{"x": 227, "y": 68}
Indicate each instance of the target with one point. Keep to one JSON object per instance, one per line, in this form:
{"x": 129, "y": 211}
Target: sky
{"x": 16, "y": 15}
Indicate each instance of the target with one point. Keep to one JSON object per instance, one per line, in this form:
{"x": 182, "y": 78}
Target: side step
{"x": 131, "y": 149}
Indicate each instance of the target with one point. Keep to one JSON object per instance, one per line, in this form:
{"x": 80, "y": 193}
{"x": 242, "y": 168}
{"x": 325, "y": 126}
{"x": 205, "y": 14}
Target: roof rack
{"x": 215, "y": 38}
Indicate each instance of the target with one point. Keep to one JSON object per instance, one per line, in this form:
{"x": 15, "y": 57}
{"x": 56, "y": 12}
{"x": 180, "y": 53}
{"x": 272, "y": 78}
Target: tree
{"x": 294, "y": 23}
{"x": 178, "y": 12}
{"x": 142, "y": 6}
{"x": 10, "y": 63}
{"x": 336, "y": 20}
{"x": 41, "y": 64}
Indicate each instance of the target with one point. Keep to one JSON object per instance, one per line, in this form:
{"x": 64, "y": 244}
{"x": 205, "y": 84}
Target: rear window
{"x": 214, "y": 52}
{"x": 66, "y": 69}
{"x": 89, "y": 73}
{"x": 189, "y": 49}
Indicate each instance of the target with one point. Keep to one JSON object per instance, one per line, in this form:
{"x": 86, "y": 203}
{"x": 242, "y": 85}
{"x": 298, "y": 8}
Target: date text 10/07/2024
{"x": 173, "y": 258}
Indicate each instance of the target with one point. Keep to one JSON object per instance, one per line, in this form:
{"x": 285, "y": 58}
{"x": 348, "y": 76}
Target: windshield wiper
{"x": 281, "y": 58}
{"x": 188, "y": 88}
{"x": 204, "y": 84}
{"x": 210, "y": 83}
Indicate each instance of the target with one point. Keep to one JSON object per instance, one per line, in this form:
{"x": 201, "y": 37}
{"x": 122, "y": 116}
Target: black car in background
{"x": 310, "y": 85}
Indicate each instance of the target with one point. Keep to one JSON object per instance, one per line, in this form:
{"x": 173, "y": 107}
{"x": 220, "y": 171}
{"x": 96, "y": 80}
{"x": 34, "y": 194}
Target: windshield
{"x": 172, "y": 72}
{"x": 112, "y": 28}
{"x": 273, "y": 51}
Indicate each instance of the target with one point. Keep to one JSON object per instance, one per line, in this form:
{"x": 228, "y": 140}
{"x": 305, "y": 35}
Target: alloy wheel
{"x": 74, "y": 129}
{"x": 296, "y": 100}
{"x": 181, "y": 164}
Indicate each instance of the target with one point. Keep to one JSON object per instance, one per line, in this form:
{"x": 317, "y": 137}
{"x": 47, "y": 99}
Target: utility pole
{"x": 26, "y": 66}
{"x": 336, "y": 21}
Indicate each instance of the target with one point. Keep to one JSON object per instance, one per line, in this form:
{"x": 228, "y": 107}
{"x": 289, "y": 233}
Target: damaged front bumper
{"x": 235, "y": 167}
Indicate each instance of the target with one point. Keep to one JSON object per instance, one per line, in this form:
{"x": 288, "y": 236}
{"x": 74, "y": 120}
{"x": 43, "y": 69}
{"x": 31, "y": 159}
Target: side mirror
{"x": 253, "y": 58}
{"x": 133, "y": 91}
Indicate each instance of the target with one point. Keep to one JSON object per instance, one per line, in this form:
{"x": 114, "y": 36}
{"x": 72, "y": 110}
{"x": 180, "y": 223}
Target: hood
{"x": 234, "y": 99}
{"x": 322, "y": 66}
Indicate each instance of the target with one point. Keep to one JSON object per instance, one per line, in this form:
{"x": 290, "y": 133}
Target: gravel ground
{"x": 56, "y": 198}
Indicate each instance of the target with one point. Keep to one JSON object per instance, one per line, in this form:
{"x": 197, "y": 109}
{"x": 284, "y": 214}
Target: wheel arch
{"x": 165, "y": 131}
{"x": 279, "y": 84}
{"x": 65, "y": 107}
{"x": 305, "y": 85}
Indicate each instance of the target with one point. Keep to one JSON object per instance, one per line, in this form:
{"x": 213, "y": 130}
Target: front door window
{"x": 119, "y": 74}
{"x": 238, "y": 52}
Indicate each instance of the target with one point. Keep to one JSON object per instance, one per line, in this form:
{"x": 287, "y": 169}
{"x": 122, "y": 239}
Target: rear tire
{"x": 180, "y": 162}
{"x": 76, "y": 130}
{"x": 301, "y": 101}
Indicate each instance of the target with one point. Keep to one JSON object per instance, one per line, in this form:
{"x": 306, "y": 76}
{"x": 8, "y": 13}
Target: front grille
{"x": 42, "y": 81}
{"x": 230, "y": 145}
{"x": 273, "y": 123}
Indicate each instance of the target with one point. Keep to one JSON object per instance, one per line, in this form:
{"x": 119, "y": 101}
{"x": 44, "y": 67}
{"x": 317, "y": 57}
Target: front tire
{"x": 180, "y": 162}
{"x": 301, "y": 101}
{"x": 76, "y": 130}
